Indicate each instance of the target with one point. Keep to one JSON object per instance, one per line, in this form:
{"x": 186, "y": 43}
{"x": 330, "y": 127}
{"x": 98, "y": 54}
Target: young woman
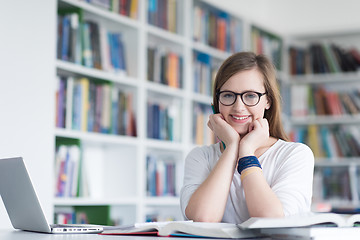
{"x": 255, "y": 172}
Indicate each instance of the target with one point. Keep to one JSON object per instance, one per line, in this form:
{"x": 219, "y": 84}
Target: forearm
{"x": 261, "y": 201}
{"x": 207, "y": 204}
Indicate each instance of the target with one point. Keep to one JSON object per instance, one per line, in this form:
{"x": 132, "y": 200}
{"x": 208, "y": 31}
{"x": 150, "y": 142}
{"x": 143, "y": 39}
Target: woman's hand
{"x": 223, "y": 130}
{"x": 258, "y": 135}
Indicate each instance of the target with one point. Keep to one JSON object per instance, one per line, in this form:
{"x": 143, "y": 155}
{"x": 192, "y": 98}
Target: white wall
{"x": 27, "y": 71}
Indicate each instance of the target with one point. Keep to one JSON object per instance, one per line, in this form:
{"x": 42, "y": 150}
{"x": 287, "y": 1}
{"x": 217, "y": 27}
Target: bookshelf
{"x": 134, "y": 157}
{"x": 121, "y": 170}
{"x": 325, "y": 113}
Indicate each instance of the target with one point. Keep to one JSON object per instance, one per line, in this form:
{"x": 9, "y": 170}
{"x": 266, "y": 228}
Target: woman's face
{"x": 238, "y": 115}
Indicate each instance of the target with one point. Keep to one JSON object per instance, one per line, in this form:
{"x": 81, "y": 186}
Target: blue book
{"x": 122, "y": 59}
{"x": 152, "y": 10}
{"x": 150, "y": 117}
{"x": 114, "y": 111}
{"x": 87, "y": 50}
{"x": 151, "y": 175}
{"x": 91, "y": 109}
{"x": 65, "y": 38}
{"x": 76, "y": 118}
{"x": 156, "y": 122}
{"x": 115, "y": 42}
{"x": 324, "y": 132}
{"x": 162, "y": 125}
{"x": 61, "y": 107}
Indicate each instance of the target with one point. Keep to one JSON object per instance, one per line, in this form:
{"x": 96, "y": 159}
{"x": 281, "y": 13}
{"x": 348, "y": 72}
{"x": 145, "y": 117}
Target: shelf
{"x": 97, "y": 137}
{"x": 201, "y": 47}
{"x": 201, "y": 98}
{"x": 326, "y": 78}
{"x": 326, "y": 120}
{"x": 162, "y": 201}
{"x": 164, "y": 145}
{"x": 102, "y": 13}
{"x": 164, "y": 89}
{"x": 337, "y": 162}
{"x": 92, "y": 202}
{"x": 71, "y": 68}
{"x": 164, "y": 34}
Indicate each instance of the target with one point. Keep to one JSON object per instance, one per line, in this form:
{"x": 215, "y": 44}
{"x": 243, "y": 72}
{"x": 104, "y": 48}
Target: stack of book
{"x": 89, "y": 44}
{"x": 329, "y": 142}
{"x": 164, "y": 120}
{"x": 202, "y": 133}
{"x": 323, "y": 58}
{"x": 161, "y": 176}
{"x": 94, "y": 106}
{"x": 67, "y": 170}
{"x": 205, "y": 69}
{"x": 216, "y": 28}
{"x": 267, "y": 43}
{"x": 164, "y": 66}
{"x": 335, "y": 185}
{"x": 163, "y": 14}
{"x": 318, "y": 100}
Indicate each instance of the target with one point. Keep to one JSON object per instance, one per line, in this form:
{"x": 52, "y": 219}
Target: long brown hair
{"x": 243, "y": 61}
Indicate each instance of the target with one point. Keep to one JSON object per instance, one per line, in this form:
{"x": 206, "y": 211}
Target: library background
{"x": 122, "y": 92}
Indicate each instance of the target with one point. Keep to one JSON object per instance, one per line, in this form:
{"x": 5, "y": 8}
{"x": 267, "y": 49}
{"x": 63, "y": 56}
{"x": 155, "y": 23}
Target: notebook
{"x": 23, "y": 206}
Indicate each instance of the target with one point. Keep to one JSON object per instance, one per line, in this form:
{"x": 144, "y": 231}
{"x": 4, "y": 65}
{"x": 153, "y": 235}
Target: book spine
{"x": 161, "y": 175}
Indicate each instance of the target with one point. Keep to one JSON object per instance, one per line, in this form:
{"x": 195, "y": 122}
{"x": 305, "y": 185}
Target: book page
{"x": 301, "y": 220}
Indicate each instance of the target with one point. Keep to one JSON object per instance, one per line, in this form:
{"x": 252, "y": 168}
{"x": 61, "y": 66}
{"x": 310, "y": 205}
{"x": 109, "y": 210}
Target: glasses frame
{"x": 241, "y": 97}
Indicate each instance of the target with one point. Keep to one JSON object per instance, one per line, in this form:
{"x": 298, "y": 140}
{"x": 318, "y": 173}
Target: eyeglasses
{"x": 249, "y": 98}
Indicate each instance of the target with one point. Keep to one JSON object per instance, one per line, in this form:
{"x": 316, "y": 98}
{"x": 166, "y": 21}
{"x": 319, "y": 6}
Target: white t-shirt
{"x": 287, "y": 167}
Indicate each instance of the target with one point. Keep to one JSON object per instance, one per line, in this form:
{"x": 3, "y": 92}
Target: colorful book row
{"x": 124, "y": 7}
{"x": 70, "y": 218}
{"x": 318, "y": 100}
{"x": 94, "y": 106}
{"x": 163, "y": 14}
{"x": 205, "y": 69}
{"x": 217, "y": 28}
{"x": 89, "y": 44}
{"x": 161, "y": 176}
{"x": 202, "y": 133}
{"x": 68, "y": 168}
{"x": 83, "y": 215}
{"x": 323, "y": 58}
{"x": 332, "y": 185}
{"x": 266, "y": 43}
{"x": 164, "y": 66}
{"x": 164, "y": 121}
{"x": 330, "y": 142}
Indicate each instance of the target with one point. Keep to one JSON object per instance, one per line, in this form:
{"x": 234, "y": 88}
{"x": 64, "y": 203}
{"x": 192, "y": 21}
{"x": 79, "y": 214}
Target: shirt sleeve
{"x": 196, "y": 170}
{"x": 294, "y": 179}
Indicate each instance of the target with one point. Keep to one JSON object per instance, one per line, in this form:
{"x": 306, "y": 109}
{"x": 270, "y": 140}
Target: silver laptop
{"x": 23, "y": 206}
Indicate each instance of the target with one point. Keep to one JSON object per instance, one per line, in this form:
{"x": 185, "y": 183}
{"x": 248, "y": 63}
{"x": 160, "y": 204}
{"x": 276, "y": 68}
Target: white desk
{"x": 23, "y": 235}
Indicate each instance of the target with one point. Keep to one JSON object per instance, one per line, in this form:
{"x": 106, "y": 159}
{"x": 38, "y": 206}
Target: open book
{"x": 303, "y": 220}
{"x": 312, "y": 225}
{"x": 184, "y": 228}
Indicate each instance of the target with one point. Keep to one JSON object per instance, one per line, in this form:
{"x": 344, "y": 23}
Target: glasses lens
{"x": 227, "y": 98}
{"x": 250, "y": 98}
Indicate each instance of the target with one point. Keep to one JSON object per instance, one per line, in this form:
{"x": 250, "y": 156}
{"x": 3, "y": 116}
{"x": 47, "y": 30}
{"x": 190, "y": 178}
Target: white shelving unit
{"x": 121, "y": 160}
{"x": 348, "y": 167}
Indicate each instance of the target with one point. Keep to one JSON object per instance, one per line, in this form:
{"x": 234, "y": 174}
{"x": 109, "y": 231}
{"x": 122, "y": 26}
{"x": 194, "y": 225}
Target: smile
{"x": 240, "y": 118}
